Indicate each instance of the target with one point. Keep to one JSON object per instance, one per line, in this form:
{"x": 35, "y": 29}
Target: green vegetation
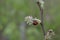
{"x": 13, "y": 12}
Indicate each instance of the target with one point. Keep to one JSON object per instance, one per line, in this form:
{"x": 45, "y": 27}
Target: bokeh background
{"x": 13, "y": 12}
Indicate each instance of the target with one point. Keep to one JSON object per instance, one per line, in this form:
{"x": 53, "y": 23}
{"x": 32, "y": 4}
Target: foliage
{"x": 12, "y": 13}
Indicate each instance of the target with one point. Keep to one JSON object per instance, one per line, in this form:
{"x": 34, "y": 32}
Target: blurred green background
{"x": 13, "y": 12}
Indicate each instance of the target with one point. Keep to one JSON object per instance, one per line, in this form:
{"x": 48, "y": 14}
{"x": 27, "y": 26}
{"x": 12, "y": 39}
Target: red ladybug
{"x": 35, "y": 22}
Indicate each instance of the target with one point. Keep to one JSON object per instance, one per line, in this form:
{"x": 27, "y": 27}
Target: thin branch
{"x": 42, "y": 18}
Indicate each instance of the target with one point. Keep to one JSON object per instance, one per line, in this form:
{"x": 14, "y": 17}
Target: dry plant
{"x": 34, "y": 21}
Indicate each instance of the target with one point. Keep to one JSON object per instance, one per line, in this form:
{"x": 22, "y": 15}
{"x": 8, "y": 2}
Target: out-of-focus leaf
{"x": 10, "y": 28}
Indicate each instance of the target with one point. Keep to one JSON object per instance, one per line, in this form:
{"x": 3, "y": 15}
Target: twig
{"x": 42, "y": 18}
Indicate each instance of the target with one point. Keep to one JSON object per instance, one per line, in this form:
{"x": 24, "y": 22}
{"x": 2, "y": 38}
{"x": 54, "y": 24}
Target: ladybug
{"x": 35, "y": 22}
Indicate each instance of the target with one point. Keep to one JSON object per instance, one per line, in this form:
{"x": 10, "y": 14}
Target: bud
{"x": 41, "y": 2}
{"x": 49, "y": 34}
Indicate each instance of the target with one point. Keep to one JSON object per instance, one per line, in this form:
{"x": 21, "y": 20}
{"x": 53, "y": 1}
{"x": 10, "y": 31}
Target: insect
{"x": 35, "y": 22}
{"x": 30, "y": 20}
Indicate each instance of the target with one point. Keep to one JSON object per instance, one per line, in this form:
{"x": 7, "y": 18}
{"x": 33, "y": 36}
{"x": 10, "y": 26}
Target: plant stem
{"x": 42, "y": 18}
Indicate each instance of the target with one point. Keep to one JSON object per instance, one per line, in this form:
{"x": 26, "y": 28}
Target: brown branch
{"x": 42, "y": 18}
